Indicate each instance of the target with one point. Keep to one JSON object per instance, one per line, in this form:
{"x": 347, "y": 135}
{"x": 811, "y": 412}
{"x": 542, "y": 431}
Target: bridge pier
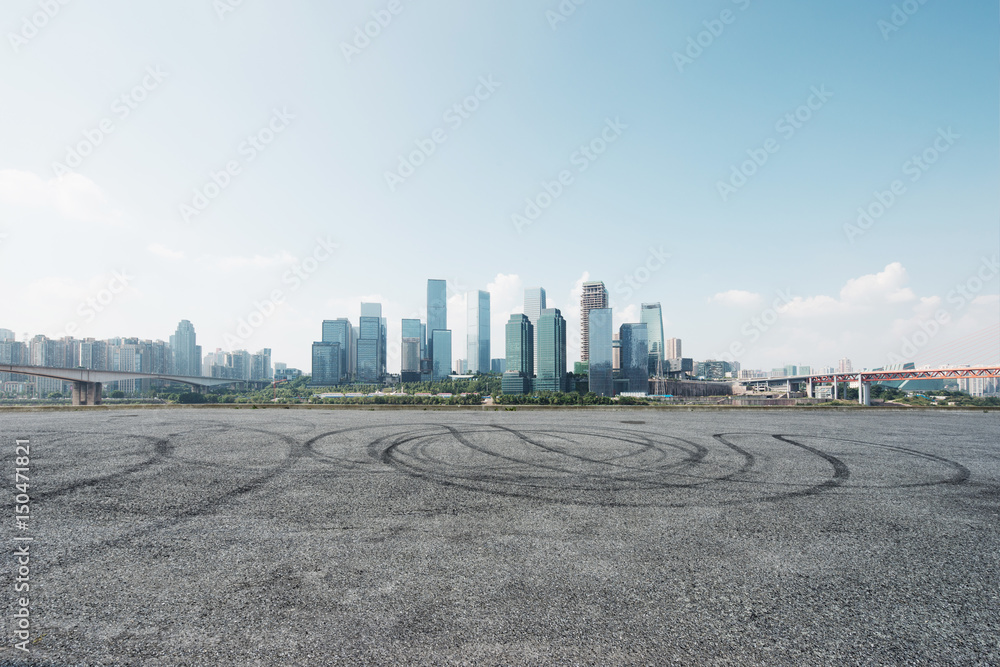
{"x": 864, "y": 392}
{"x": 835, "y": 383}
{"x": 809, "y": 391}
{"x": 86, "y": 393}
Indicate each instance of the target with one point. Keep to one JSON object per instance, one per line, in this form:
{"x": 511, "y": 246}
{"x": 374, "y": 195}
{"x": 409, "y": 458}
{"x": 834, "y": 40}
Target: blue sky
{"x": 768, "y": 270}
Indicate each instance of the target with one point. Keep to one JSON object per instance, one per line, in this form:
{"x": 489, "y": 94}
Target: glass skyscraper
{"x": 325, "y": 364}
{"x": 520, "y": 346}
{"x": 551, "y": 336}
{"x": 635, "y": 356}
{"x": 652, "y": 317}
{"x": 534, "y": 304}
{"x": 339, "y": 331}
{"x": 411, "y": 350}
{"x": 600, "y": 372}
{"x": 371, "y": 344}
{"x": 437, "y": 313}
{"x": 479, "y": 332}
{"x": 441, "y": 343}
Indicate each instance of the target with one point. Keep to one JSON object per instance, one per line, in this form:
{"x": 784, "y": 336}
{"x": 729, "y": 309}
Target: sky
{"x": 794, "y": 182}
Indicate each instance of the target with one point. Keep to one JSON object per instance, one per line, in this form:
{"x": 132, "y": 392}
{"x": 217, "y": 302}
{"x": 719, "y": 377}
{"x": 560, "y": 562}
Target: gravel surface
{"x": 315, "y": 537}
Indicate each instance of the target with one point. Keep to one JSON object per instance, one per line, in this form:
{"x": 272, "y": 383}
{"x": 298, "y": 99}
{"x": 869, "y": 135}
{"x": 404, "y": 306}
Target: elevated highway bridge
{"x": 866, "y": 378}
{"x": 87, "y": 383}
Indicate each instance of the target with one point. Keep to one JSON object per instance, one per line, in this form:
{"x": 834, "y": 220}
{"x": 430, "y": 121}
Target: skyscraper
{"x": 441, "y": 343}
{"x": 371, "y": 344}
{"x": 519, "y": 342}
{"x": 652, "y": 317}
{"x": 534, "y": 304}
{"x": 635, "y": 356}
{"x": 325, "y": 364}
{"x": 595, "y": 295}
{"x": 599, "y": 326}
{"x": 479, "y": 332}
{"x": 339, "y": 331}
{"x": 411, "y": 350}
{"x": 186, "y": 352}
{"x": 437, "y": 313}
{"x": 551, "y": 336}
{"x": 673, "y": 349}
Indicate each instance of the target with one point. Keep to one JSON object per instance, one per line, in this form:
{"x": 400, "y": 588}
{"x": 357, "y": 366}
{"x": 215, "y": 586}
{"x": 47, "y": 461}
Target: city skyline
{"x": 828, "y": 195}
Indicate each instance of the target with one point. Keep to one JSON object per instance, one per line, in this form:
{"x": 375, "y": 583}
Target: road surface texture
{"x": 613, "y": 537}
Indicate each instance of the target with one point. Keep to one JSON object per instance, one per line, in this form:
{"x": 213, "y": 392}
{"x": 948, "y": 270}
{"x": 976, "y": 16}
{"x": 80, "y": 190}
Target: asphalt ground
{"x": 314, "y": 537}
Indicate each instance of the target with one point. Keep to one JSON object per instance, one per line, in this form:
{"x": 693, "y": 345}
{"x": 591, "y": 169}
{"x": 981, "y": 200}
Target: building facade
{"x": 599, "y": 359}
{"x": 479, "y": 331}
{"x": 635, "y": 356}
{"x": 652, "y": 316}
{"x": 551, "y": 353}
{"x": 595, "y": 296}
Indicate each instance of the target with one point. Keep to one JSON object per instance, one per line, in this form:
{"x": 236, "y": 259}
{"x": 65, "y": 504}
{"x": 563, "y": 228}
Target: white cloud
{"x": 878, "y": 288}
{"x": 236, "y": 262}
{"x": 72, "y": 196}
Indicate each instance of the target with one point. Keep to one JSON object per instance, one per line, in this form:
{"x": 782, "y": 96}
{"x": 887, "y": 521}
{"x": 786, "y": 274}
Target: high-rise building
{"x": 498, "y": 366}
{"x": 371, "y": 344}
{"x": 260, "y": 365}
{"x": 519, "y": 343}
{"x": 6, "y": 335}
{"x": 185, "y": 350}
{"x": 410, "y": 360}
{"x": 673, "y": 349}
{"x": 616, "y": 352}
{"x": 599, "y": 370}
{"x": 534, "y": 304}
{"x": 437, "y": 314}
{"x": 551, "y": 336}
{"x": 479, "y": 331}
{"x": 635, "y": 356}
{"x": 340, "y": 331}
{"x": 595, "y": 295}
{"x": 652, "y": 317}
{"x": 844, "y": 366}
{"x": 325, "y": 364}
{"x": 441, "y": 345}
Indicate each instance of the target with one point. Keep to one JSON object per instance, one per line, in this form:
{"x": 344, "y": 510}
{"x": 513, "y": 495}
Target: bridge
{"x": 87, "y": 383}
{"x": 865, "y": 379}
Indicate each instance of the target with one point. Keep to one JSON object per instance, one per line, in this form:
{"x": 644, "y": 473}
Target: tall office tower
{"x": 635, "y": 356}
{"x": 260, "y": 365}
{"x": 479, "y": 332}
{"x": 370, "y": 344}
{"x": 498, "y": 366}
{"x": 673, "y": 349}
{"x": 409, "y": 368}
{"x": 423, "y": 341}
{"x": 339, "y": 331}
{"x": 186, "y": 352}
{"x": 441, "y": 344}
{"x": 601, "y": 375}
{"x": 551, "y": 336}
{"x": 652, "y": 317}
{"x": 520, "y": 347}
{"x": 844, "y": 366}
{"x": 325, "y": 364}
{"x": 595, "y": 295}
{"x": 6, "y": 334}
{"x": 352, "y": 363}
{"x": 534, "y": 304}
